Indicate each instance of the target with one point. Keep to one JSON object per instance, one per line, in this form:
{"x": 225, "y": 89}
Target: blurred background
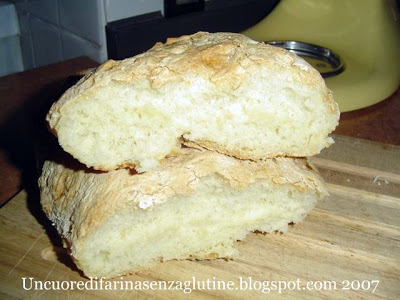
{"x": 353, "y": 44}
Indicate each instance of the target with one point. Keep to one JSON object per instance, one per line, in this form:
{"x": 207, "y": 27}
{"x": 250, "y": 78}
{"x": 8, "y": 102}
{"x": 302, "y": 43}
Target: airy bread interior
{"x": 203, "y": 225}
{"x": 142, "y": 127}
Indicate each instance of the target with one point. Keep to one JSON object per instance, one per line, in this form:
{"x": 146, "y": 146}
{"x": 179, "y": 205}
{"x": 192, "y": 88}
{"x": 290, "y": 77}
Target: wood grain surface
{"x": 354, "y": 235}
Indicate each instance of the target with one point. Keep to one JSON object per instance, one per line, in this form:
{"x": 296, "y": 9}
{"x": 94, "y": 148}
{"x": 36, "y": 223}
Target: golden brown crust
{"x": 238, "y": 153}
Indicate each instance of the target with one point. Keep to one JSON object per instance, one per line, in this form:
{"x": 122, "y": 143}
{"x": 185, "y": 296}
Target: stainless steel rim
{"x": 324, "y": 60}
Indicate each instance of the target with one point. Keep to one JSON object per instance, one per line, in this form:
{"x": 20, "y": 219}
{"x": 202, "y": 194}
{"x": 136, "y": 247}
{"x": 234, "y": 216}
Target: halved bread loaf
{"x": 220, "y": 91}
{"x": 195, "y": 205}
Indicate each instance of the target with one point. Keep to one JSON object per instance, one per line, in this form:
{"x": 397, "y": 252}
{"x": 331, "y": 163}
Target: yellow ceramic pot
{"x": 364, "y": 33}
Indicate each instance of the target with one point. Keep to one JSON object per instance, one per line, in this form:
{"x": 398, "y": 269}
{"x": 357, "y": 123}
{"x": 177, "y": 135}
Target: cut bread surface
{"x": 203, "y": 225}
{"x": 219, "y": 91}
{"x": 195, "y": 205}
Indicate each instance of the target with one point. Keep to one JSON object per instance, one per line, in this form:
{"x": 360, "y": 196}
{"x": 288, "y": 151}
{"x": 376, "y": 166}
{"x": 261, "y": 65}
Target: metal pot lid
{"x": 323, "y": 59}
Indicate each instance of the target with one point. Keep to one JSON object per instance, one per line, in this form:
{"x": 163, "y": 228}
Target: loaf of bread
{"x": 194, "y": 205}
{"x": 219, "y": 91}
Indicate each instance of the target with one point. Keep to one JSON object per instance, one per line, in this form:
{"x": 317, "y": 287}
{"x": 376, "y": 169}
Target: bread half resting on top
{"x": 220, "y": 91}
{"x": 194, "y": 205}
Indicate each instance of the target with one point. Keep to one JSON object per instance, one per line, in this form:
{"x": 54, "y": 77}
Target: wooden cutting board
{"x": 353, "y": 236}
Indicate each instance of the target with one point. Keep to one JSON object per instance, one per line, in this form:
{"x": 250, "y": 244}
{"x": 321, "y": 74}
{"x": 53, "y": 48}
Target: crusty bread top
{"x": 221, "y": 58}
{"x": 220, "y": 91}
{"x": 71, "y": 193}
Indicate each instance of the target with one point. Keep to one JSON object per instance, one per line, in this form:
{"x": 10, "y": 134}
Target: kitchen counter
{"x": 22, "y": 94}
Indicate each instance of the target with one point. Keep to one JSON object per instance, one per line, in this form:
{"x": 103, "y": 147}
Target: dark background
{"x": 128, "y": 37}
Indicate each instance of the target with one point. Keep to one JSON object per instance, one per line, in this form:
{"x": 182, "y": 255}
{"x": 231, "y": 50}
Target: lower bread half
{"x": 195, "y": 205}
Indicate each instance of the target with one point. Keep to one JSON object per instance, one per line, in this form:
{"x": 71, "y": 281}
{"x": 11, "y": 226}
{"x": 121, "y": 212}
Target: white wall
{"x": 10, "y": 50}
{"x": 56, "y": 30}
